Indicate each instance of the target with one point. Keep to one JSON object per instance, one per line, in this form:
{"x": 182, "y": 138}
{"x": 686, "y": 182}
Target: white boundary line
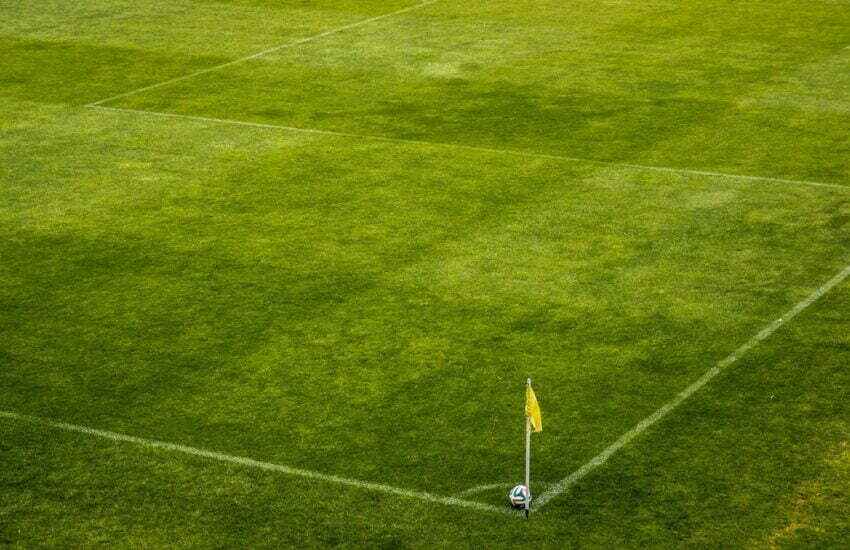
{"x": 712, "y": 373}
{"x": 513, "y": 152}
{"x": 265, "y": 52}
{"x": 257, "y": 464}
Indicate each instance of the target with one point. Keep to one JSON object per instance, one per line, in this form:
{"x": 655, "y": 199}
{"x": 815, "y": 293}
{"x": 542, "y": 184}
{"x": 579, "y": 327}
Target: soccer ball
{"x": 519, "y": 496}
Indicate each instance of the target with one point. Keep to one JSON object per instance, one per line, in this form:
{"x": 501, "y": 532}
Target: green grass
{"x": 370, "y": 308}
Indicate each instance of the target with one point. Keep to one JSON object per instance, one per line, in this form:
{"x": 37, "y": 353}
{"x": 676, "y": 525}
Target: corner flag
{"x": 533, "y": 422}
{"x": 532, "y": 409}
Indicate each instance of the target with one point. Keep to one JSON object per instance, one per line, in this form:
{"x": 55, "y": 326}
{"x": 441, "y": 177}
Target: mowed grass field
{"x": 337, "y": 236}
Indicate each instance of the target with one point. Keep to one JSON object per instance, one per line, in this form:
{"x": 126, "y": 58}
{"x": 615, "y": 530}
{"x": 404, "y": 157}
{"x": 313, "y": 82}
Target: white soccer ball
{"x": 519, "y": 496}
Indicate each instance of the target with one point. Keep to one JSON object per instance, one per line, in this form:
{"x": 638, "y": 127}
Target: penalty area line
{"x": 491, "y": 150}
{"x": 683, "y": 396}
{"x": 256, "y": 464}
{"x": 258, "y": 55}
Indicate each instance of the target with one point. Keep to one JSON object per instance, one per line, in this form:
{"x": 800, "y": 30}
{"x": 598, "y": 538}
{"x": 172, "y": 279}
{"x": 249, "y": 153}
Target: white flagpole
{"x": 528, "y": 456}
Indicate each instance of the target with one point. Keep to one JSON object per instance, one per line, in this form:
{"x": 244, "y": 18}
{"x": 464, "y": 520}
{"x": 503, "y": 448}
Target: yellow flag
{"x": 532, "y": 409}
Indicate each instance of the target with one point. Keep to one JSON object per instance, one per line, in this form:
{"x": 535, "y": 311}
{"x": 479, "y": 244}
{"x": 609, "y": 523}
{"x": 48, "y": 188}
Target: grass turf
{"x": 370, "y": 309}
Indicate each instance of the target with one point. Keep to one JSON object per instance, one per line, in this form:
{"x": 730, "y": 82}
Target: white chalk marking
{"x": 251, "y": 463}
{"x": 265, "y": 52}
{"x": 712, "y": 373}
{"x": 514, "y": 152}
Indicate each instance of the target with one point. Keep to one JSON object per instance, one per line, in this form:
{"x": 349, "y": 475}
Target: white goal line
{"x": 257, "y": 464}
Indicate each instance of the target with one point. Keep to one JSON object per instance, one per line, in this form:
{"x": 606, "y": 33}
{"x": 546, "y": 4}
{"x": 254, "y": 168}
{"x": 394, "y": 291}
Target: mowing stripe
{"x": 513, "y": 152}
{"x": 251, "y": 463}
{"x": 266, "y": 52}
{"x": 644, "y": 424}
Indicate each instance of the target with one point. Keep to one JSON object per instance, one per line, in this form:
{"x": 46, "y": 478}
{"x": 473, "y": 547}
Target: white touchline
{"x": 265, "y": 52}
{"x": 712, "y": 373}
{"x": 513, "y": 152}
{"x": 251, "y": 463}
